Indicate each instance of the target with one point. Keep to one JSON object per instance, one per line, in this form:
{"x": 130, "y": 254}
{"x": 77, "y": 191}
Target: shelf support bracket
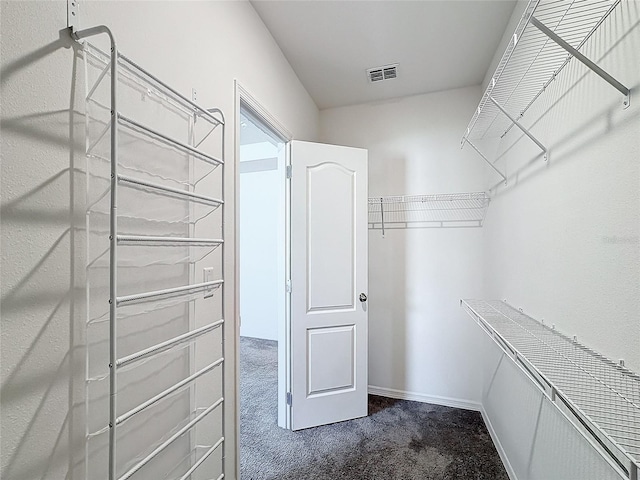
{"x": 382, "y": 215}
{"x": 465, "y": 139}
{"x": 72, "y": 15}
{"x": 524, "y": 130}
{"x": 591, "y": 65}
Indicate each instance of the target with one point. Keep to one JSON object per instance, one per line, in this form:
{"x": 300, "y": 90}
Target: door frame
{"x": 245, "y": 100}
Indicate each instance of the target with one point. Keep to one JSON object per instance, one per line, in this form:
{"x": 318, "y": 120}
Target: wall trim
{"x": 421, "y": 397}
{"x": 496, "y": 441}
{"x": 254, "y": 106}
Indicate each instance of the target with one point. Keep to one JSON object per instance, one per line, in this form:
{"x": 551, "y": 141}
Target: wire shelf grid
{"x": 438, "y": 210}
{"x": 532, "y": 60}
{"x": 603, "y": 393}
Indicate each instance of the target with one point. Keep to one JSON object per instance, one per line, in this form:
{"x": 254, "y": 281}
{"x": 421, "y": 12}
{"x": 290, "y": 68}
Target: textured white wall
{"x": 562, "y": 242}
{"x": 420, "y": 341}
{"x": 205, "y": 45}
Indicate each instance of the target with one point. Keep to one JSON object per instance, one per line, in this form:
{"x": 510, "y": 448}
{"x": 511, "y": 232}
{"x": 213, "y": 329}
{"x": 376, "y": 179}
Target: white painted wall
{"x": 261, "y": 244}
{"x": 205, "y": 45}
{"x": 420, "y": 342}
{"x": 561, "y": 242}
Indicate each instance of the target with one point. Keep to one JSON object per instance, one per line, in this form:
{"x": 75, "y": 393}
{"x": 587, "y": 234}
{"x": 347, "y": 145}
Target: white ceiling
{"x": 439, "y": 44}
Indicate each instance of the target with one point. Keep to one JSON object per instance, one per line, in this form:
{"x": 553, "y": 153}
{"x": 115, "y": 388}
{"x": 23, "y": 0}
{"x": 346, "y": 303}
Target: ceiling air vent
{"x": 386, "y": 72}
{"x": 390, "y": 72}
{"x": 375, "y": 75}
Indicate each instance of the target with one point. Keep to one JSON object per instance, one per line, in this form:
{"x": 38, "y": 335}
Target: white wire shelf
{"x": 550, "y": 33}
{"x": 168, "y": 191}
{"x": 602, "y": 396}
{"x": 176, "y": 387}
{"x": 132, "y": 72}
{"x": 166, "y": 443}
{"x": 193, "y": 460}
{"x": 428, "y": 211}
{"x": 171, "y": 142}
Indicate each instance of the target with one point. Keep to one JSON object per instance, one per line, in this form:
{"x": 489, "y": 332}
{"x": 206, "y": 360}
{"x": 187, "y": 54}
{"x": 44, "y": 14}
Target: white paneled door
{"x": 329, "y": 284}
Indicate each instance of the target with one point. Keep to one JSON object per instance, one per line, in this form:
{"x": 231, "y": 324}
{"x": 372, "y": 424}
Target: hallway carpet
{"x": 399, "y": 440}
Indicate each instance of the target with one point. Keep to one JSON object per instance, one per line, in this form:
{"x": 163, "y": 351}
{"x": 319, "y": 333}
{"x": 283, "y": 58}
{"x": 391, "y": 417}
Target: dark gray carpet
{"x": 399, "y": 440}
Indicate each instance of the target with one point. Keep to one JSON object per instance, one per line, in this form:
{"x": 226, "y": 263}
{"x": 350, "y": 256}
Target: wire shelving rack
{"x": 155, "y": 327}
{"x": 600, "y": 396}
{"x": 549, "y": 35}
{"x": 428, "y": 211}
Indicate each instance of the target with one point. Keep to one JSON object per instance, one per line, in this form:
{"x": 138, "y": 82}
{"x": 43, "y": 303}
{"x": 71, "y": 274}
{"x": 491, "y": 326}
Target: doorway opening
{"x": 263, "y": 269}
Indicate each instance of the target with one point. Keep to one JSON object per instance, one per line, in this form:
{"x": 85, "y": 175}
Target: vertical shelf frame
{"x": 548, "y": 36}
{"x": 117, "y": 121}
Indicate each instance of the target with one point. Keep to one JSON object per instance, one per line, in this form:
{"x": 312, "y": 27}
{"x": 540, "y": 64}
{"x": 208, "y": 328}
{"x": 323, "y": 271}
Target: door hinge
{"x": 288, "y": 287}
{"x": 289, "y": 399}
{"x": 288, "y": 169}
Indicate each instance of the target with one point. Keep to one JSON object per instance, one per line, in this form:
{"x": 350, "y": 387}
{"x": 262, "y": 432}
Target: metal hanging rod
{"x": 549, "y": 34}
{"x": 151, "y": 241}
{"x": 166, "y": 345}
{"x": 170, "y": 440}
{"x": 168, "y": 292}
{"x": 165, "y": 393}
{"x": 168, "y": 141}
{"x": 214, "y": 202}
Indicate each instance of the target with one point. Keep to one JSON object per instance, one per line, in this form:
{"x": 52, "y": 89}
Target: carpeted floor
{"x": 399, "y": 440}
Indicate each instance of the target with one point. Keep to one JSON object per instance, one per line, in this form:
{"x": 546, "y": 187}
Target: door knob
{"x": 363, "y": 297}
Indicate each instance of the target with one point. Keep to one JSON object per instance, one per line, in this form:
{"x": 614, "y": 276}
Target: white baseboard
{"x": 498, "y": 445}
{"x": 420, "y": 397}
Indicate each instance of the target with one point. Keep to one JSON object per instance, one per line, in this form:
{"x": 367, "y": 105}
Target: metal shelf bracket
{"x": 524, "y": 130}
{"x": 532, "y": 60}
{"x": 382, "y": 215}
{"x": 579, "y": 56}
{"x": 72, "y": 15}
{"x": 484, "y": 157}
